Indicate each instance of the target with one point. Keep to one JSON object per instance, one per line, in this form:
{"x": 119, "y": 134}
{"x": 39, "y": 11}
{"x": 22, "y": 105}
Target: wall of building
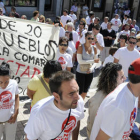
{"x": 135, "y": 6}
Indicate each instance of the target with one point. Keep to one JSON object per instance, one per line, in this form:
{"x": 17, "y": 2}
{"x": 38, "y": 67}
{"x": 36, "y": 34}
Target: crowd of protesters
{"x": 58, "y": 97}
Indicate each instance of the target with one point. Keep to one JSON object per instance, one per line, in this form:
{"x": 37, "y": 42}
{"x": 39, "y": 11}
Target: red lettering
{"x": 19, "y": 67}
{"x": 1, "y": 58}
{"x": 26, "y": 72}
{"x": 10, "y": 61}
{"x": 36, "y": 70}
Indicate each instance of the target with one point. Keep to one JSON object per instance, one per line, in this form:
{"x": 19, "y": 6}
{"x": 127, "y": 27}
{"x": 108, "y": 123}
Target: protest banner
{"x": 26, "y": 45}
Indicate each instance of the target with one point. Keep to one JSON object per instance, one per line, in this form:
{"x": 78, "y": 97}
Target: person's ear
{"x": 56, "y": 96}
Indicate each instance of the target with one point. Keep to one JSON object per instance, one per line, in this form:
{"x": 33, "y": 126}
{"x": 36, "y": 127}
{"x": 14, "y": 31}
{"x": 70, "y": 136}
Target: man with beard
{"x": 57, "y": 117}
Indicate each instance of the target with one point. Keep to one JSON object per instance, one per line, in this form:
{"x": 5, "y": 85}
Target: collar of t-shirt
{"x": 109, "y": 30}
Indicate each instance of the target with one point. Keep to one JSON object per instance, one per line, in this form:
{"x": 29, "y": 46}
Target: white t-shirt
{"x": 7, "y": 100}
{"x": 2, "y": 6}
{"x": 47, "y": 121}
{"x": 75, "y": 37}
{"x": 100, "y": 40}
{"x": 72, "y": 46}
{"x": 126, "y": 57}
{"x": 82, "y": 39}
{"x": 89, "y": 21}
{"x": 104, "y": 25}
{"x": 65, "y": 18}
{"x": 62, "y": 32}
{"x": 124, "y": 32}
{"x": 116, "y": 23}
{"x": 64, "y": 59}
{"x": 137, "y": 48}
{"x": 73, "y": 16}
{"x": 69, "y": 51}
{"x": 116, "y": 114}
{"x": 125, "y": 21}
{"x": 110, "y": 58}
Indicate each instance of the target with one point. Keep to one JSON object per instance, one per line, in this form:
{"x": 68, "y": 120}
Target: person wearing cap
{"x": 133, "y": 32}
{"x": 122, "y": 41}
{"x": 98, "y": 39}
{"x": 96, "y": 21}
{"x": 90, "y": 18}
{"x": 57, "y": 117}
{"x": 135, "y": 26}
{"x": 109, "y": 37}
{"x": 65, "y": 17}
{"x": 35, "y": 89}
{"x": 116, "y": 23}
{"x": 126, "y": 55}
{"x": 130, "y": 23}
{"x": 138, "y": 42}
{"x": 117, "y": 113}
{"x": 73, "y": 16}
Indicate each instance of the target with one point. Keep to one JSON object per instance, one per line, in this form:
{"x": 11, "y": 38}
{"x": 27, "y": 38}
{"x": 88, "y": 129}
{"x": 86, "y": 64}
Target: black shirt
{"x": 106, "y": 33}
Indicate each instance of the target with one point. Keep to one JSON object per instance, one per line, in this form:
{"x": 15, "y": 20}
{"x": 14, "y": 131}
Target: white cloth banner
{"x": 26, "y": 45}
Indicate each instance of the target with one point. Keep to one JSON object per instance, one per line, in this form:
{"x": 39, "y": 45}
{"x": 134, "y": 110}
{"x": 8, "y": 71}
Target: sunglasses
{"x": 132, "y": 42}
{"x": 81, "y": 24}
{"x": 89, "y": 38}
{"x": 65, "y": 45}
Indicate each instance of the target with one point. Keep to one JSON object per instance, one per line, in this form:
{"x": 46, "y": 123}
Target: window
{"x": 26, "y": 3}
{"x": 97, "y": 3}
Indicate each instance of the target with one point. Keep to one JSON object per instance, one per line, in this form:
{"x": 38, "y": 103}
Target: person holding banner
{"x": 9, "y": 103}
{"x": 62, "y": 56}
{"x": 38, "y": 87}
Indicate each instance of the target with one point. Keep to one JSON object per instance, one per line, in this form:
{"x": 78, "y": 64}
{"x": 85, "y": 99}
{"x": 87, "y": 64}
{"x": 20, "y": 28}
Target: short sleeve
{"x": 33, "y": 83}
{"x": 117, "y": 54}
{"x": 17, "y": 90}
{"x": 34, "y": 127}
{"x": 101, "y": 41}
{"x": 70, "y": 62}
{"x": 113, "y": 120}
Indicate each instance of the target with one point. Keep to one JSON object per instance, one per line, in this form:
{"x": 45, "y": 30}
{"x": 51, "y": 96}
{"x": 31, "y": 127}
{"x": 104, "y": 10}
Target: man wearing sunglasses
{"x": 126, "y": 55}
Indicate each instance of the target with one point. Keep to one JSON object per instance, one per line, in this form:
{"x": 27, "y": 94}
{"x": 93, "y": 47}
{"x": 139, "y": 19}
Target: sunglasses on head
{"x": 90, "y": 38}
{"x": 132, "y": 42}
{"x": 122, "y": 38}
{"x": 65, "y": 45}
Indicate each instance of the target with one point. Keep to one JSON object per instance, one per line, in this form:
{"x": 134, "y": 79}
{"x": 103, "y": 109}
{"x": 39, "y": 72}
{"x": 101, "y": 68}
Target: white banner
{"x": 26, "y": 46}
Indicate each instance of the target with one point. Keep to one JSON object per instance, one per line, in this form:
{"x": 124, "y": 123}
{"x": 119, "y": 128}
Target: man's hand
{"x": 12, "y": 118}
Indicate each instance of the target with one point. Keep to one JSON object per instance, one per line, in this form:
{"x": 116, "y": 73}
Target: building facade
{"x": 52, "y": 8}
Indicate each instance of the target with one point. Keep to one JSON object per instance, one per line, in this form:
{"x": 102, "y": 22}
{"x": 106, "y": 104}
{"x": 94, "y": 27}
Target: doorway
{"x": 48, "y": 5}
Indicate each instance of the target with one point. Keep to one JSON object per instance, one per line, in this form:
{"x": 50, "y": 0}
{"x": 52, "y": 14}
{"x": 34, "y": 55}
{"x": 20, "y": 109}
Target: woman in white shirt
{"x": 62, "y": 56}
{"x": 9, "y": 103}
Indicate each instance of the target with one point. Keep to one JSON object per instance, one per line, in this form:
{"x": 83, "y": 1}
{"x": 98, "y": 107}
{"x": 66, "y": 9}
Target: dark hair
{"x": 57, "y": 21}
{"x": 68, "y": 21}
{"x": 124, "y": 36}
{"x": 51, "y": 67}
{"x": 65, "y": 10}
{"x": 4, "y": 69}
{"x": 62, "y": 39}
{"x": 135, "y": 79}
{"x": 112, "y": 50}
{"x": 132, "y": 37}
{"x": 83, "y": 23}
{"x": 57, "y": 79}
{"x": 97, "y": 18}
{"x": 35, "y": 13}
{"x": 110, "y": 23}
{"x": 91, "y": 13}
{"x": 58, "y": 18}
{"x": 13, "y": 8}
{"x": 88, "y": 33}
{"x": 70, "y": 35}
{"x": 97, "y": 27}
{"x": 108, "y": 77}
